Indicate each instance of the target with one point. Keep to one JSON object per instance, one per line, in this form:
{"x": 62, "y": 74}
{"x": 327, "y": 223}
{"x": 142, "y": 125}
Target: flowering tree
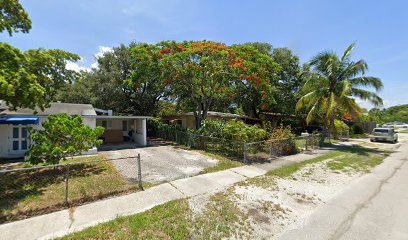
{"x": 255, "y": 86}
{"x": 203, "y": 72}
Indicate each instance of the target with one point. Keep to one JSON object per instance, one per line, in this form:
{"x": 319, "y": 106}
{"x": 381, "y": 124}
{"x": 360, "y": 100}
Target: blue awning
{"x": 19, "y": 120}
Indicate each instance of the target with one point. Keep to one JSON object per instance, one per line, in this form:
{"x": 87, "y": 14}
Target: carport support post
{"x": 139, "y": 173}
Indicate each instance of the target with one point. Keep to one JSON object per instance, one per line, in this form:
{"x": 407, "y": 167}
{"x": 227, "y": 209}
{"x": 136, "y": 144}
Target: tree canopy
{"x": 31, "y": 79}
{"x": 127, "y": 80}
{"x": 13, "y": 17}
{"x": 397, "y": 113}
{"x": 334, "y": 83}
{"x": 204, "y": 72}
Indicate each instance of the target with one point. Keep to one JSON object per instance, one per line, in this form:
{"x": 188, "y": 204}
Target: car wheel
{"x": 372, "y": 140}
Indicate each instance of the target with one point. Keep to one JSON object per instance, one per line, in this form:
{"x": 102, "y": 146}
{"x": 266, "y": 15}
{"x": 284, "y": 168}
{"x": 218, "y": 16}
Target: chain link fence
{"x": 273, "y": 148}
{"x": 26, "y": 192}
{"x": 342, "y": 136}
{"x": 222, "y": 146}
{"x": 242, "y": 151}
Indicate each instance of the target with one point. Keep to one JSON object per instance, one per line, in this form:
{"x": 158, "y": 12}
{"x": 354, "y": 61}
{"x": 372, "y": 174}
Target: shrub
{"x": 233, "y": 130}
{"x": 340, "y": 126}
{"x": 357, "y": 129}
{"x": 282, "y": 141}
{"x": 62, "y": 136}
{"x": 282, "y": 132}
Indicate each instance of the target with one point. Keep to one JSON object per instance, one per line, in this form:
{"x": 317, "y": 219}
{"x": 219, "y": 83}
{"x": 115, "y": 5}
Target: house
{"x": 14, "y": 139}
{"x": 187, "y": 120}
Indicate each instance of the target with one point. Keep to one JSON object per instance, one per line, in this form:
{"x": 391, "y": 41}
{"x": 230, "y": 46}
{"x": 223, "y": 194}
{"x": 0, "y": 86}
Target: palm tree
{"x": 334, "y": 83}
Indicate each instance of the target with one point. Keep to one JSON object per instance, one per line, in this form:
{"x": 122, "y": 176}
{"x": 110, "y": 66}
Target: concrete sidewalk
{"x": 75, "y": 219}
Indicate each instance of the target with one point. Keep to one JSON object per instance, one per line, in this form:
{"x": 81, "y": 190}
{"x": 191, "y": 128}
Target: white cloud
{"x": 76, "y": 67}
{"x": 102, "y": 50}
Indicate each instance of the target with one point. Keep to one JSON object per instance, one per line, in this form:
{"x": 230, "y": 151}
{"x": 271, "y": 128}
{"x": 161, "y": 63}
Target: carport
{"x": 123, "y": 130}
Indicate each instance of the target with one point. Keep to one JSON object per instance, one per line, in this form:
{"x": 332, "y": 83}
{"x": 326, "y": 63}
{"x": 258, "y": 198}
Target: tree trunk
{"x": 331, "y": 127}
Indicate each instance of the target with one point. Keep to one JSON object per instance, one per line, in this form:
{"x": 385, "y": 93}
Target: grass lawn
{"x": 174, "y": 220}
{"x": 31, "y": 192}
{"x": 221, "y": 218}
{"x": 344, "y": 159}
{"x": 223, "y": 163}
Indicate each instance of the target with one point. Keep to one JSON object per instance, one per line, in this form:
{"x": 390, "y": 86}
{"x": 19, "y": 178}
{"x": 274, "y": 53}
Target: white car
{"x": 396, "y": 125}
{"x": 401, "y": 125}
{"x": 384, "y": 134}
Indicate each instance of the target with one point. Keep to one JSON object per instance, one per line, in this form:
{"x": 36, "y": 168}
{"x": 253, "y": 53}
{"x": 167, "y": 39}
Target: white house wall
{"x": 140, "y": 133}
{"x": 4, "y": 141}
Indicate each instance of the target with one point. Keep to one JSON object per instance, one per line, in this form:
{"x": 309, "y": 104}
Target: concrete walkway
{"x": 71, "y": 220}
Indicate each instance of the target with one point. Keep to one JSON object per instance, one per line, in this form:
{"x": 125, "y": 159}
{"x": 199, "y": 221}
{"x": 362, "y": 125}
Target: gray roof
{"x": 55, "y": 108}
{"x": 215, "y": 114}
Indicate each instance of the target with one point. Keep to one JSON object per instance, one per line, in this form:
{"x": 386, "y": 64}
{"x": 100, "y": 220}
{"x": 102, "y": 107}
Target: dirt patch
{"x": 274, "y": 205}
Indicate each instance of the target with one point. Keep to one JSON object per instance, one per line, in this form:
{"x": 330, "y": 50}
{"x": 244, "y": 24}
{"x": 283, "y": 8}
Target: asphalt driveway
{"x": 160, "y": 163}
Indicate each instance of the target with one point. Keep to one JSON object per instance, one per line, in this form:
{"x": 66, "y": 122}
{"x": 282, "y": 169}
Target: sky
{"x": 91, "y": 27}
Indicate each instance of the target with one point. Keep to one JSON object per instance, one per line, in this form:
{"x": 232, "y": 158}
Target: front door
{"x": 18, "y": 140}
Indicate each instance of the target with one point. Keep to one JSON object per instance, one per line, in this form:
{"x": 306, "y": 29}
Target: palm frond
{"x": 345, "y": 88}
{"x": 367, "y": 95}
{"x": 374, "y": 82}
{"x": 349, "y": 104}
{"x": 353, "y": 69}
{"x": 314, "y": 111}
{"x": 307, "y": 100}
{"x": 348, "y": 52}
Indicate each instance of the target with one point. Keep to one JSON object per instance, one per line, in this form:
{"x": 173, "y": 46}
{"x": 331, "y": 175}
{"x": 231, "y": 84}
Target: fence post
{"x": 66, "y": 184}
{"x": 176, "y": 137}
{"x": 270, "y": 149}
{"x": 139, "y": 173}
{"x": 307, "y": 139}
{"x": 245, "y": 160}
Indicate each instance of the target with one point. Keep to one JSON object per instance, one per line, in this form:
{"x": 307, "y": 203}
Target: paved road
{"x": 374, "y": 207}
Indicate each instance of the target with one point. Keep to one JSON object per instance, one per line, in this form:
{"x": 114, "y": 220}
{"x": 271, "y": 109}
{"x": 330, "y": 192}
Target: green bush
{"x": 282, "y": 141}
{"x": 340, "y": 126}
{"x": 233, "y": 130}
{"x": 282, "y": 132}
{"x": 156, "y": 128}
{"x": 357, "y": 129}
{"x": 62, "y": 136}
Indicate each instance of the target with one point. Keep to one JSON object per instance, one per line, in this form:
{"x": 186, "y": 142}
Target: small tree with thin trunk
{"x": 62, "y": 136}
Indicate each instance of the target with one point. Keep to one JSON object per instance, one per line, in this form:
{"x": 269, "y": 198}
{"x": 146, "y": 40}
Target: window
{"x": 124, "y": 125}
{"x": 19, "y": 136}
{"x": 24, "y": 145}
{"x": 15, "y": 145}
{"x": 24, "y": 132}
{"x": 16, "y": 132}
{"x": 379, "y": 130}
